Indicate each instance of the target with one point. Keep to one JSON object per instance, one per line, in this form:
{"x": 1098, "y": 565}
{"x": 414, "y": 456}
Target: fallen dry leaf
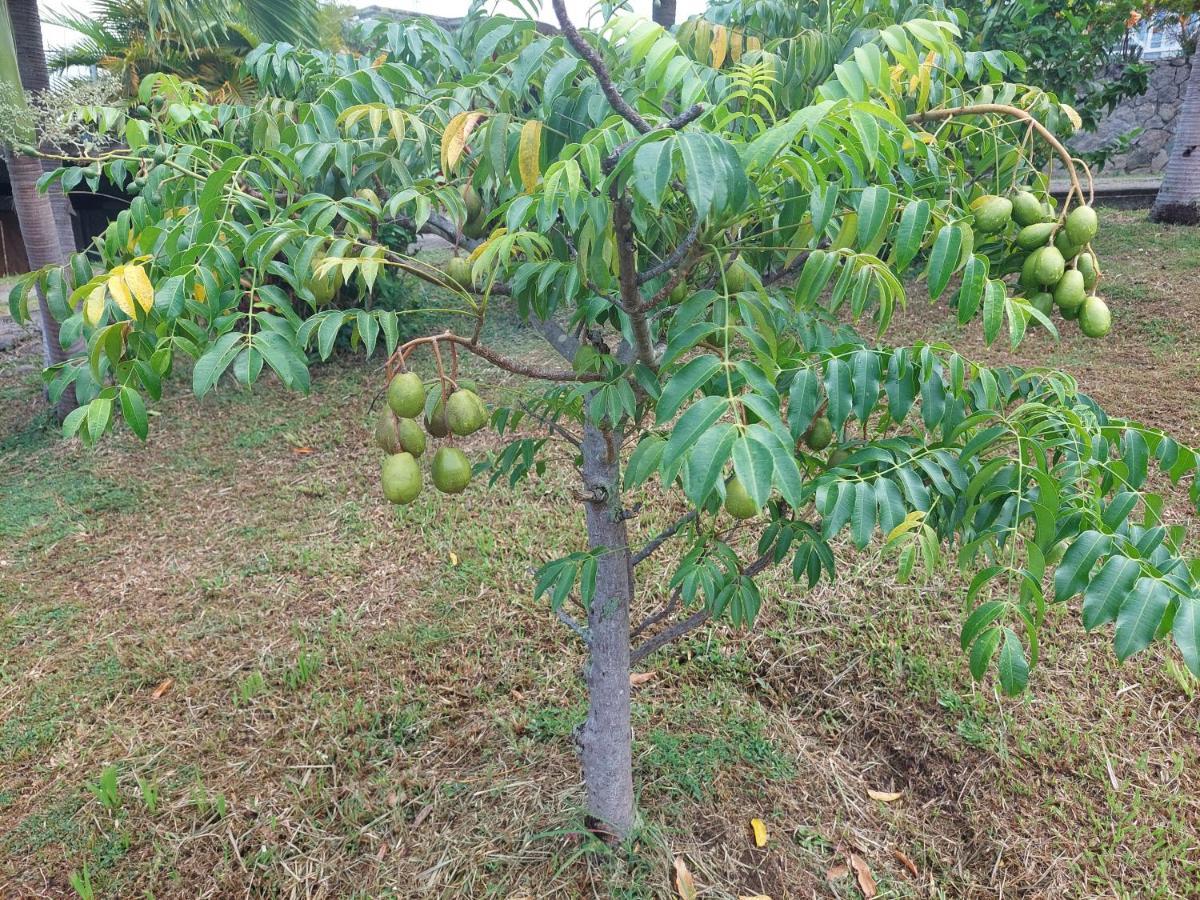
{"x": 453, "y": 558}
{"x": 685, "y": 884}
{"x": 636, "y": 678}
{"x": 161, "y": 690}
{"x": 302, "y": 451}
{"x": 753, "y": 897}
{"x": 884, "y": 796}
{"x": 759, "y": 829}
{"x": 903, "y": 859}
{"x": 866, "y": 883}
{"x": 841, "y": 870}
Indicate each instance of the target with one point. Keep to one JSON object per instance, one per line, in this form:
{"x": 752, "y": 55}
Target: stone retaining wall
{"x": 1154, "y": 112}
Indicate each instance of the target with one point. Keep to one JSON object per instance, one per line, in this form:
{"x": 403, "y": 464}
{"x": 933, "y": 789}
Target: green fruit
{"x": 1027, "y": 209}
{"x": 1055, "y": 554}
{"x": 160, "y": 155}
{"x": 1033, "y": 236}
{"x": 1082, "y": 225}
{"x": 1042, "y": 302}
{"x": 451, "y": 470}
{"x": 1086, "y": 263}
{"x": 1049, "y": 266}
{"x": 436, "y": 422}
{"x": 838, "y": 456}
{"x": 412, "y": 438}
{"x": 1070, "y": 293}
{"x": 1072, "y": 313}
{"x": 472, "y": 202}
{"x": 679, "y": 293}
{"x": 1029, "y": 279}
{"x": 1095, "y": 320}
{"x": 387, "y": 435}
{"x": 459, "y": 270}
{"x": 401, "y": 477}
{"x": 406, "y": 395}
{"x": 1063, "y": 242}
{"x": 992, "y": 213}
{"x": 476, "y": 228}
{"x": 739, "y": 277}
{"x": 820, "y": 434}
{"x": 738, "y": 503}
{"x": 141, "y": 111}
{"x": 323, "y": 286}
{"x": 465, "y": 413}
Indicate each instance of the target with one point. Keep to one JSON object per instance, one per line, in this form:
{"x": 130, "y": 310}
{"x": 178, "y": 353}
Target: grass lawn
{"x": 228, "y": 668}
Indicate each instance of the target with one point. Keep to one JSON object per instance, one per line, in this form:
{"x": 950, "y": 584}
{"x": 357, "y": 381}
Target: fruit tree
{"x": 710, "y": 229}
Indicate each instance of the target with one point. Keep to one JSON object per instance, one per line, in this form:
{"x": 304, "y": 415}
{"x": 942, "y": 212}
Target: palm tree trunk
{"x": 664, "y": 13}
{"x": 35, "y": 76}
{"x": 39, "y": 230}
{"x": 1178, "y": 201}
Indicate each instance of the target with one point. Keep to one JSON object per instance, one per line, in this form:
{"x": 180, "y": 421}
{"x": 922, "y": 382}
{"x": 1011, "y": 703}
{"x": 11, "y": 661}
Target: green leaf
{"x": 804, "y": 397}
{"x": 1108, "y": 590}
{"x": 754, "y": 465}
{"x": 707, "y": 460}
{"x": 1186, "y": 631}
{"x": 652, "y": 171}
{"x": 910, "y": 234}
{"x": 697, "y": 419}
{"x": 1012, "y": 666}
{"x": 864, "y": 373}
{"x": 983, "y": 616}
{"x": 644, "y": 460}
{"x": 874, "y": 207}
{"x": 1140, "y": 616}
{"x": 1073, "y": 572}
{"x": 862, "y": 522}
{"x": 944, "y": 259}
{"x": 843, "y": 508}
{"x": 215, "y": 361}
{"x": 837, "y": 390}
{"x": 970, "y": 291}
{"x": 133, "y": 409}
{"x": 683, "y": 384}
{"x": 983, "y": 650}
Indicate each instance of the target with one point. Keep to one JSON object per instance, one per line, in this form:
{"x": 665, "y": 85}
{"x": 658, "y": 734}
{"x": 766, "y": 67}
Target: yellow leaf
{"x": 753, "y": 43}
{"x": 759, "y": 828}
{"x": 199, "y": 293}
{"x": 1072, "y": 115}
{"x": 120, "y": 291}
{"x": 93, "y": 306}
{"x": 454, "y": 138}
{"x": 479, "y": 251}
{"x": 719, "y": 46}
{"x": 379, "y": 60}
{"x": 884, "y": 796}
{"x": 735, "y": 45}
{"x": 453, "y": 558}
{"x": 529, "y": 154}
{"x": 139, "y": 284}
{"x": 685, "y": 884}
{"x": 911, "y": 521}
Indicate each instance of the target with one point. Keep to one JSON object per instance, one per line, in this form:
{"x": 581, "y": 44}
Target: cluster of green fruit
{"x": 1057, "y": 265}
{"x": 476, "y": 224}
{"x": 399, "y": 434}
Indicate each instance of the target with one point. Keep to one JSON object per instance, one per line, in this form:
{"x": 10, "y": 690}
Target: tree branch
{"x": 1015, "y": 112}
{"x": 664, "y": 536}
{"x": 527, "y": 370}
{"x": 592, "y": 58}
{"x": 631, "y": 298}
{"x": 692, "y": 622}
{"x": 580, "y": 631}
{"x": 675, "y": 257}
{"x": 654, "y": 618}
{"x": 790, "y": 269}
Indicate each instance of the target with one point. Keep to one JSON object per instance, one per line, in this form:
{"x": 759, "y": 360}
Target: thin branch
{"x": 592, "y": 58}
{"x": 664, "y": 536}
{"x": 631, "y": 298}
{"x": 692, "y": 622}
{"x": 675, "y": 257}
{"x": 580, "y": 631}
{"x": 934, "y": 115}
{"x": 693, "y": 112}
{"x": 790, "y": 269}
{"x": 499, "y": 361}
{"x": 551, "y": 426}
{"x": 666, "y": 610}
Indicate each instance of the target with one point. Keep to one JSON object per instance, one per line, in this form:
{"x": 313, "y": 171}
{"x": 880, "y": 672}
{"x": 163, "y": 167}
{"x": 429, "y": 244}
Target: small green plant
{"x": 81, "y": 882}
{"x": 150, "y": 793}
{"x": 304, "y": 671}
{"x": 208, "y": 803}
{"x": 105, "y": 789}
{"x": 250, "y": 687}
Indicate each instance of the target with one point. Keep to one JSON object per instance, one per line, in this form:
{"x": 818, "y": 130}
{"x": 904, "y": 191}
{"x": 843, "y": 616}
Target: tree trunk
{"x": 664, "y": 13}
{"x": 39, "y": 231}
{"x": 1178, "y": 201}
{"x": 607, "y": 740}
{"x": 35, "y": 76}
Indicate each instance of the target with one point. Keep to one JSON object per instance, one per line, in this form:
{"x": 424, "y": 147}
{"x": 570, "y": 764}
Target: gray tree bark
{"x": 606, "y": 739}
{"x": 35, "y": 76}
{"x": 1178, "y": 200}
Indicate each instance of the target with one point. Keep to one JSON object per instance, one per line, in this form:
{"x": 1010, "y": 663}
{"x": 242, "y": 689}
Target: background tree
{"x": 695, "y": 227}
{"x": 1178, "y": 200}
{"x": 40, "y": 229}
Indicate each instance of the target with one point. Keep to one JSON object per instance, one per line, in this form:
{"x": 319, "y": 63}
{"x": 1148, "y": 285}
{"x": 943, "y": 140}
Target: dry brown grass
{"x": 351, "y": 713}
